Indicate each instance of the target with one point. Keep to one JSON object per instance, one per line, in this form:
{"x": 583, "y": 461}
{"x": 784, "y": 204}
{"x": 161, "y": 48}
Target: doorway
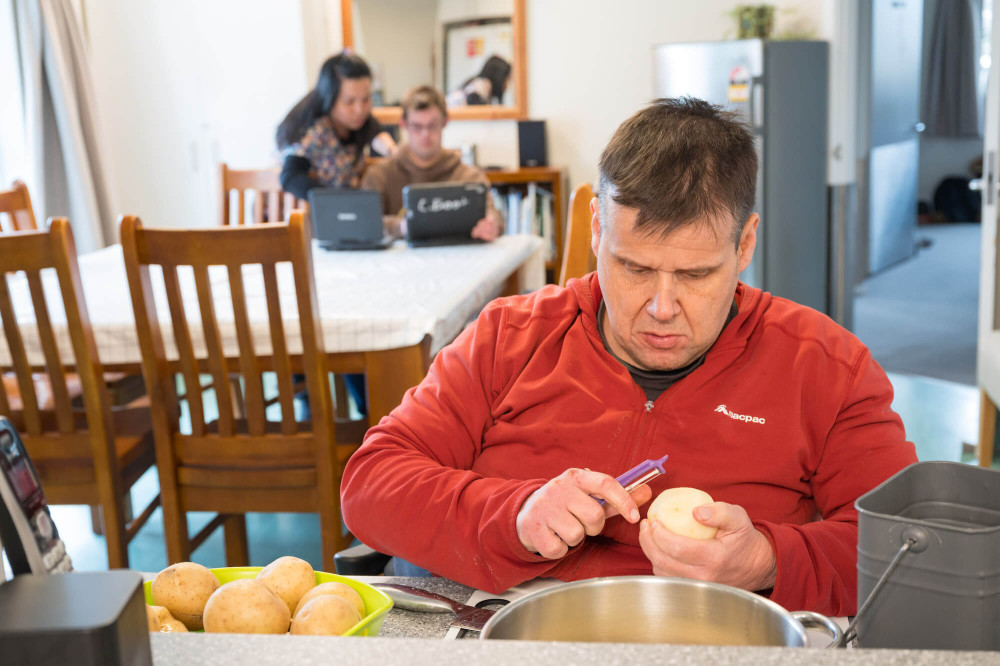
{"x": 918, "y": 312}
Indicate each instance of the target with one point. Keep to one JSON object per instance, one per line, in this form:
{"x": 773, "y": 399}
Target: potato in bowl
{"x": 376, "y": 603}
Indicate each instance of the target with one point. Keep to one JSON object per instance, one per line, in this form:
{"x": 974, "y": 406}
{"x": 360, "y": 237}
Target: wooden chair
{"x": 268, "y": 202}
{"x": 578, "y": 258}
{"x": 233, "y": 465}
{"x": 90, "y": 456}
{"x": 16, "y": 213}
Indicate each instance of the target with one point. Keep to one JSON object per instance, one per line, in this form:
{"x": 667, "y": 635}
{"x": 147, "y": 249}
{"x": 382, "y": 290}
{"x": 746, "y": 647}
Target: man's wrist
{"x": 765, "y": 563}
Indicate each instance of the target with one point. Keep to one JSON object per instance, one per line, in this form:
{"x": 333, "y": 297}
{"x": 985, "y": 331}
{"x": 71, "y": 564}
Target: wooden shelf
{"x": 554, "y": 177}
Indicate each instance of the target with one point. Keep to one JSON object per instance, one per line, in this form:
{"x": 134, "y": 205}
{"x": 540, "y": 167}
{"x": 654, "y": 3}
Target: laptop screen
{"x": 343, "y": 217}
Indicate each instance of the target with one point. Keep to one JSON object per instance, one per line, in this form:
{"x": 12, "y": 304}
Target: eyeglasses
{"x": 416, "y": 128}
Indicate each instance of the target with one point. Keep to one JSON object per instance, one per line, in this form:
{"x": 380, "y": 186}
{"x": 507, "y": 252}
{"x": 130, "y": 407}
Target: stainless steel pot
{"x": 652, "y": 609}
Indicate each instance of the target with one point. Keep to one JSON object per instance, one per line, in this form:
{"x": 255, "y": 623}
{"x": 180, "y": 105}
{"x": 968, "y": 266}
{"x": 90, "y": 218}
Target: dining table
{"x": 383, "y": 313}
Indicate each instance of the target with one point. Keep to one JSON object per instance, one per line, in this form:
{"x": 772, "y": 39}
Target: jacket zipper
{"x": 647, "y": 408}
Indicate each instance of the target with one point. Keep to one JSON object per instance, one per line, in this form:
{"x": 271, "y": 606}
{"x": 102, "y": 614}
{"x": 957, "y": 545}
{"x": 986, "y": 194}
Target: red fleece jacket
{"x": 788, "y": 417}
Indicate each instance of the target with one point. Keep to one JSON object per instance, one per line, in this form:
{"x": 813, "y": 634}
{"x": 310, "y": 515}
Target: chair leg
{"x": 97, "y": 523}
{"x": 175, "y": 533}
{"x": 235, "y": 532}
{"x": 239, "y": 404}
{"x": 987, "y": 429}
{"x": 114, "y": 535}
{"x": 340, "y": 397}
{"x": 332, "y": 534}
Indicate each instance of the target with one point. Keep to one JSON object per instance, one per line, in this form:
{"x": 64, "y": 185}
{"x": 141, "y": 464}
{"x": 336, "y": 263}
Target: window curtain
{"x": 49, "y": 130}
{"x": 951, "y": 93}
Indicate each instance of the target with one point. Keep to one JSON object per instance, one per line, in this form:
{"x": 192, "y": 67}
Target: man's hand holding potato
{"x": 739, "y": 555}
{"x": 561, "y": 513}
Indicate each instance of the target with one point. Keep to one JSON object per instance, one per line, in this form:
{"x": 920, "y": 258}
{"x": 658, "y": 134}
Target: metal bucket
{"x": 652, "y": 609}
{"x": 929, "y": 559}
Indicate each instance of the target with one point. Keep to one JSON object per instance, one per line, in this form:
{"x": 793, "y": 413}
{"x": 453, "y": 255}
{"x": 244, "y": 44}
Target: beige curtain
{"x": 59, "y": 152}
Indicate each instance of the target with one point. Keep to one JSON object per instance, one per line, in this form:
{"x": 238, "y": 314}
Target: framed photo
{"x": 469, "y": 44}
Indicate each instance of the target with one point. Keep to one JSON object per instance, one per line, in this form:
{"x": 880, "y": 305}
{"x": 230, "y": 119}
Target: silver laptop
{"x": 347, "y": 219}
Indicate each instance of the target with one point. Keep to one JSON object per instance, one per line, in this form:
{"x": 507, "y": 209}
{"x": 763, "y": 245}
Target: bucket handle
{"x": 809, "y": 619}
{"x": 915, "y": 539}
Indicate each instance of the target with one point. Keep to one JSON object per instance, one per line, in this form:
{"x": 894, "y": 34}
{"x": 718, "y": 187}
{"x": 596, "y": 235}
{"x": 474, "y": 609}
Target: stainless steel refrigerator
{"x": 780, "y": 90}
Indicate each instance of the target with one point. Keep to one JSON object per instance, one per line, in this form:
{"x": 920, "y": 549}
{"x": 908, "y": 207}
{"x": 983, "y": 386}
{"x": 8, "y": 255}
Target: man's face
{"x": 423, "y": 131}
{"x": 666, "y": 298}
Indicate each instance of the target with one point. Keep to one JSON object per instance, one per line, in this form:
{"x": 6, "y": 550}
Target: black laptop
{"x": 347, "y": 219}
{"x": 443, "y": 213}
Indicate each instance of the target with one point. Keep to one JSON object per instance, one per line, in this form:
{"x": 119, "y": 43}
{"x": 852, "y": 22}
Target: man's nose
{"x": 663, "y": 305}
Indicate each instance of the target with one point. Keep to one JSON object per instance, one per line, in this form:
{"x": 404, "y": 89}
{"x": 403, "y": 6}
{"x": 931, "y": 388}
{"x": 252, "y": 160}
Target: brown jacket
{"x": 391, "y": 176}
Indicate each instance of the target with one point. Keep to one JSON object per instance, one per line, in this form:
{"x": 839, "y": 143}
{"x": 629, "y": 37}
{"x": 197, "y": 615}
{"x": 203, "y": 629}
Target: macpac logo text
{"x": 739, "y": 417}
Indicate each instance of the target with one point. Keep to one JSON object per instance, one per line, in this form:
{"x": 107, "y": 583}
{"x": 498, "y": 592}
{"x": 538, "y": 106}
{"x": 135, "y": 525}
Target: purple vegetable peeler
{"x": 639, "y": 475}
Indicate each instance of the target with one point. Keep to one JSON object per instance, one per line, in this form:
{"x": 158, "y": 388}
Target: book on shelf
{"x": 527, "y": 209}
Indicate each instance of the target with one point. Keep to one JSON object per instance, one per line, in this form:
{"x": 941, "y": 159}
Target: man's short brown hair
{"x": 420, "y": 98}
{"x": 680, "y": 161}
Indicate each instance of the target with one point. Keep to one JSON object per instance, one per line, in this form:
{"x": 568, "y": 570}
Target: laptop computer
{"x": 443, "y": 213}
{"x": 347, "y": 219}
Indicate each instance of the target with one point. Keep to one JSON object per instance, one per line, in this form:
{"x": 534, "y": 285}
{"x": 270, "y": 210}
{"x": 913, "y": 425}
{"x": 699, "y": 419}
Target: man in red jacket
{"x": 489, "y": 471}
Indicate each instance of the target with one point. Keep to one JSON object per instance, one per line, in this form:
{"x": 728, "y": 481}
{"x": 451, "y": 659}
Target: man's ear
{"x": 595, "y": 225}
{"x": 748, "y": 242}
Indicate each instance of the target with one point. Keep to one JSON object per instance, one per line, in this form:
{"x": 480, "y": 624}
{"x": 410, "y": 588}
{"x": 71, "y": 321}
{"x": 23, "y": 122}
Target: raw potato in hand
{"x": 346, "y": 592}
{"x": 289, "y": 578}
{"x": 184, "y": 589}
{"x": 672, "y": 508}
{"x": 246, "y": 607}
{"x": 326, "y": 615}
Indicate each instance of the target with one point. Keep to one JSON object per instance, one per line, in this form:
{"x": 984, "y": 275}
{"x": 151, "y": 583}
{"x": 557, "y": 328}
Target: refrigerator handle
{"x": 757, "y": 103}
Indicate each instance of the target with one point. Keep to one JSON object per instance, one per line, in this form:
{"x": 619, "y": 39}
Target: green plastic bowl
{"x": 377, "y": 603}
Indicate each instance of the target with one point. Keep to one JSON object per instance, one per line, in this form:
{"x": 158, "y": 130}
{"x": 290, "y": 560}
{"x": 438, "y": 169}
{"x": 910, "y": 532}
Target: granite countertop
{"x": 418, "y": 638}
{"x": 411, "y": 624}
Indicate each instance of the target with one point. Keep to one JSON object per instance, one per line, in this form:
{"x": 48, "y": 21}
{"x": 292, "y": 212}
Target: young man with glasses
{"x": 422, "y": 159}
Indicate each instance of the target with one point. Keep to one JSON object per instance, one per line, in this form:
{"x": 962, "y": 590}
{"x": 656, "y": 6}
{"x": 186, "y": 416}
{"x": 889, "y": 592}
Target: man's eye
{"x": 636, "y": 270}
{"x": 695, "y": 275}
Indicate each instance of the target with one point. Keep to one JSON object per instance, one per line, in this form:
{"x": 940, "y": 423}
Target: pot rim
{"x": 657, "y": 580}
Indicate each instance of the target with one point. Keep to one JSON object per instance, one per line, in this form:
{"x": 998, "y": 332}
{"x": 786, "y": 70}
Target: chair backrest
{"x": 578, "y": 258}
{"x": 16, "y": 213}
{"x": 31, "y": 252}
{"x": 257, "y": 192}
{"x": 230, "y": 248}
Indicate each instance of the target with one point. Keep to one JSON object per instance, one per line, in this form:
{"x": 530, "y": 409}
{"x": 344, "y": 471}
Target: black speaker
{"x": 531, "y": 143}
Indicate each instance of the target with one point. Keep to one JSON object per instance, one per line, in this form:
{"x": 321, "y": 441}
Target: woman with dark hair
{"x": 487, "y": 87}
{"x": 322, "y": 139}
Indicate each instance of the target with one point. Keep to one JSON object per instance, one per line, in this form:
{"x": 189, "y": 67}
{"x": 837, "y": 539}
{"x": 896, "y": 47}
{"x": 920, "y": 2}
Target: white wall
{"x": 185, "y": 84}
{"x": 182, "y": 85}
{"x": 397, "y": 37}
{"x": 590, "y": 67}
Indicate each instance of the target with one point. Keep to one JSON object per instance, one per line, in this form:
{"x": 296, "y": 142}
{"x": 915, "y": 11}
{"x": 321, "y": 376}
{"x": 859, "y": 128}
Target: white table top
{"x": 368, "y": 300}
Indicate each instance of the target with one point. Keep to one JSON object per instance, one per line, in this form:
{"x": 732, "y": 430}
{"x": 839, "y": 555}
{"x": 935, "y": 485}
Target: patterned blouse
{"x": 334, "y": 163}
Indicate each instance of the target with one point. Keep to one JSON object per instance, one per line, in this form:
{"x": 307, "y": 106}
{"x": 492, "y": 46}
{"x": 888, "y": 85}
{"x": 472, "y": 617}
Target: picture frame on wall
{"x": 468, "y": 45}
